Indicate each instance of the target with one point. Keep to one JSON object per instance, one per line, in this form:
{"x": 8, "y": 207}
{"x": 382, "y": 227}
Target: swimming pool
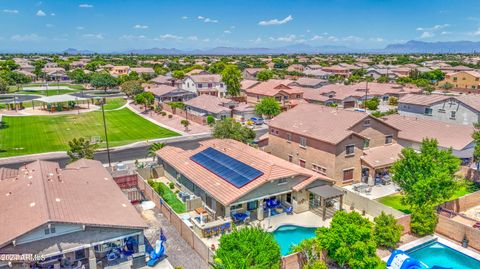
{"x": 437, "y": 254}
{"x": 288, "y": 235}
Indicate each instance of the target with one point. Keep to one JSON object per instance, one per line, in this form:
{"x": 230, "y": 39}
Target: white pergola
{"x": 63, "y": 98}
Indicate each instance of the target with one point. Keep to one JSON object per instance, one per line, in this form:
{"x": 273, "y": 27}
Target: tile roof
{"x": 272, "y": 167}
{"x": 161, "y": 89}
{"x": 209, "y": 103}
{"x": 82, "y": 193}
{"x": 161, "y": 80}
{"x": 304, "y": 81}
{"x": 374, "y": 89}
{"x": 272, "y": 87}
{"x": 314, "y": 95}
{"x": 141, "y": 70}
{"x": 381, "y": 156}
{"x": 315, "y": 121}
{"x": 422, "y": 99}
{"x": 415, "y": 129}
{"x": 471, "y": 100}
{"x": 248, "y": 83}
{"x": 209, "y": 78}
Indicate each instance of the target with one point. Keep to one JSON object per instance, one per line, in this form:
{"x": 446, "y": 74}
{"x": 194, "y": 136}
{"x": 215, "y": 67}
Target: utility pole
{"x": 106, "y": 134}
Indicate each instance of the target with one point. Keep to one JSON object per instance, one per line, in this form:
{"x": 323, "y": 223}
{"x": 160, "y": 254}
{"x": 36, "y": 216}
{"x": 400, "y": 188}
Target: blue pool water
{"x": 288, "y": 235}
{"x": 437, "y": 254}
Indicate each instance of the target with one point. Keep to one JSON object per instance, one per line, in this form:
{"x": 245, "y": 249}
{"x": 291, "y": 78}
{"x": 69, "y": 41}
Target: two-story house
{"x": 274, "y": 88}
{"x": 462, "y": 79}
{"x": 462, "y": 109}
{"x": 219, "y": 108}
{"x": 211, "y": 84}
{"x": 341, "y": 144}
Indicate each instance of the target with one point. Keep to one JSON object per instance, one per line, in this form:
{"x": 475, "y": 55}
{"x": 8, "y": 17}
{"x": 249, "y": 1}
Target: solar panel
{"x": 233, "y": 171}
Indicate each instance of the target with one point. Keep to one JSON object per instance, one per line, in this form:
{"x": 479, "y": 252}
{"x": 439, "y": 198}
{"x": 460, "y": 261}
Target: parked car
{"x": 257, "y": 121}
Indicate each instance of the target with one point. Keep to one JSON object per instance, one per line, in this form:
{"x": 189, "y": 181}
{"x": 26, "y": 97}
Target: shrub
{"x": 163, "y": 113}
{"x": 386, "y": 231}
{"x": 424, "y": 220}
{"x": 372, "y": 104}
{"x": 170, "y": 116}
{"x": 171, "y": 185}
{"x": 392, "y": 100}
{"x": 210, "y": 120}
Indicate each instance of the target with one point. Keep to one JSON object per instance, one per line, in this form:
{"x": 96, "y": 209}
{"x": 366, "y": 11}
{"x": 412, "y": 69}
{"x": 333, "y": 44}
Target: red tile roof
{"x": 272, "y": 167}
{"x": 82, "y": 193}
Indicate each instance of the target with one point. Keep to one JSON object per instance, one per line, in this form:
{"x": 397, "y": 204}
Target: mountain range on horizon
{"x": 409, "y": 47}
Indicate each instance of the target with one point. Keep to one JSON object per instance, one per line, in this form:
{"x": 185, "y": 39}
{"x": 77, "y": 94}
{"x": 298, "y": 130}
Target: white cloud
{"x": 476, "y": 33}
{"x": 427, "y": 34}
{"x": 258, "y": 40}
{"x": 132, "y": 37}
{"x": 40, "y": 13}
{"x": 316, "y": 37}
{"x": 52, "y": 14}
{"x": 26, "y": 37}
{"x": 289, "y": 18}
{"x": 445, "y": 33}
{"x": 207, "y": 20}
{"x": 206, "y": 40}
{"x": 168, "y": 36}
{"x": 184, "y": 17}
{"x": 93, "y": 36}
{"x": 433, "y": 28}
{"x": 377, "y": 39}
{"x": 11, "y": 11}
{"x": 139, "y": 26}
{"x": 193, "y": 38}
{"x": 352, "y": 38}
{"x": 333, "y": 38}
{"x": 80, "y": 28}
{"x": 227, "y": 32}
{"x": 85, "y": 6}
{"x": 288, "y": 38}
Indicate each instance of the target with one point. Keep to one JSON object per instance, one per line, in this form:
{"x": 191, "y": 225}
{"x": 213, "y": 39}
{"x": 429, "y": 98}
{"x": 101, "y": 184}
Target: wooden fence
{"x": 455, "y": 230}
{"x": 463, "y": 203}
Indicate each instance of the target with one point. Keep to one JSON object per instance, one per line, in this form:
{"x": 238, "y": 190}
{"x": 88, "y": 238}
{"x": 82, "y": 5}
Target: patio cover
{"x": 60, "y": 98}
{"x": 383, "y": 156}
{"x": 326, "y": 191}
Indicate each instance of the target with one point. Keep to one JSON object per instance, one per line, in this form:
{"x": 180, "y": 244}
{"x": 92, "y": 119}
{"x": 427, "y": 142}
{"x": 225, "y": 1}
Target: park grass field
{"x": 51, "y": 92}
{"x": 38, "y": 134}
{"x": 114, "y": 103}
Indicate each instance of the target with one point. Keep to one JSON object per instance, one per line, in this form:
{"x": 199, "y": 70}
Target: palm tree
{"x": 152, "y": 151}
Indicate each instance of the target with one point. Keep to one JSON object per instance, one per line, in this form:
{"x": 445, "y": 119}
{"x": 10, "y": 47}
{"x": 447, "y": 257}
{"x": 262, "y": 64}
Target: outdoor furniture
{"x": 289, "y": 210}
{"x": 240, "y": 217}
{"x": 201, "y": 210}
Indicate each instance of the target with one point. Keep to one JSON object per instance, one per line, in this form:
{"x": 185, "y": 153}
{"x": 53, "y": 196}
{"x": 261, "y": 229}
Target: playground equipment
{"x": 159, "y": 250}
{"x": 400, "y": 260}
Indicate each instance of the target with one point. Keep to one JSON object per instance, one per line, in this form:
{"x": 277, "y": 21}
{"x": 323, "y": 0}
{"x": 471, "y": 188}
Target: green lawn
{"x": 114, "y": 103}
{"x": 36, "y": 134}
{"x": 44, "y": 92}
{"x": 395, "y": 200}
{"x": 168, "y": 196}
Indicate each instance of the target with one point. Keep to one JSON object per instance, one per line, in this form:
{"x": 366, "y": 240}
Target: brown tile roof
{"x": 209, "y": 103}
{"x": 161, "y": 89}
{"x": 303, "y": 81}
{"x": 415, "y": 129}
{"x": 272, "y": 87}
{"x": 272, "y": 167}
{"x": 82, "y": 193}
{"x": 382, "y": 156}
{"x": 422, "y": 99}
{"x": 7, "y": 173}
{"x": 248, "y": 83}
{"x": 162, "y": 80}
{"x": 471, "y": 100}
{"x": 141, "y": 70}
{"x": 314, "y": 95}
{"x": 315, "y": 121}
{"x": 374, "y": 89}
{"x": 206, "y": 78}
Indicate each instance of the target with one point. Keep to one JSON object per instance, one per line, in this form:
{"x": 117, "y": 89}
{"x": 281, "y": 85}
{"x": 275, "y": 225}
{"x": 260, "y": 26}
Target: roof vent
{"x": 32, "y": 204}
{"x": 57, "y": 200}
{"x": 8, "y": 193}
{"x": 106, "y": 178}
{"x": 124, "y": 205}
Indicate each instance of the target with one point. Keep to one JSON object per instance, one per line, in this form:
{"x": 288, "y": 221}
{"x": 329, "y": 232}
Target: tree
{"x": 349, "y": 241}
{"x": 476, "y": 149}
{"x": 392, "y": 100}
{"x": 232, "y": 77}
{"x": 424, "y": 220}
{"x": 264, "y": 75}
{"x": 130, "y": 76}
{"x": 268, "y": 106}
{"x": 427, "y": 177}
{"x": 152, "y": 150}
{"x": 178, "y": 74}
{"x": 311, "y": 251}
{"x": 145, "y": 98}
{"x": 387, "y": 232}
{"x": 131, "y": 87}
{"x": 372, "y": 104}
{"x": 229, "y": 128}
{"x": 217, "y": 67}
{"x": 383, "y": 79}
{"x": 185, "y": 124}
{"x": 447, "y": 86}
{"x": 3, "y": 86}
{"x": 103, "y": 81}
{"x": 249, "y": 247}
{"x": 210, "y": 120}
{"x": 80, "y": 148}
{"x": 78, "y": 76}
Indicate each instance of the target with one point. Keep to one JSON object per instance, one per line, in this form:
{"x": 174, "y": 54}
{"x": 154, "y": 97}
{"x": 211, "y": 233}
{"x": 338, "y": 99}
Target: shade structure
{"x": 60, "y": 98}
{"x": 231, "y": 170}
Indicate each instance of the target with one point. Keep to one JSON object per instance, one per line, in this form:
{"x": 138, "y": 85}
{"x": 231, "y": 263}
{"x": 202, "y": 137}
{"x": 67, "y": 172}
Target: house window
{"x": 289, "y": 137}
{"x": 303, "y": 142}
{"x": 428, "y": 111}
{"x": 252, "y": 205}
{"x": 209, "y": 85}
{"x": 282, "y": 181}
{"x": 272, "y": 131}
{"x": 350, "y": 150}
{"x": 348, "y": 175}
{"x": 366, "y": 143}
{"x": 302, "y": 163}
{"x": 366, "y": 122}
{"x": 221, "y": 85}
{"x": 288, "y": 199}
{"x": 80, "y": 254}
{"x": 235, "y": 207}
{"x": 388, "y": 139}
{"x": 453, "y": 114}
{"x": 50, "y": 229}
{"x": 199, "y": 85}
{"x": 298, "y": 96}
{"x": 290, "y": 158}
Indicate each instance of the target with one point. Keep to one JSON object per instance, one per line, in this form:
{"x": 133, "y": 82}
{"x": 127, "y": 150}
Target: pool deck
{"x": 305, "y": 219}
{"x": 441, "y": 240}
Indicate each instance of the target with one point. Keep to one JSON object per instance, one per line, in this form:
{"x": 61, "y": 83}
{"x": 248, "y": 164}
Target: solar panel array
{"x": 233, "y": 171}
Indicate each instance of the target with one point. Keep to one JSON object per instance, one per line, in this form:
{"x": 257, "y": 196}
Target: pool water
{"x": 437, "y": 254}
{"x": 288, "y": 235}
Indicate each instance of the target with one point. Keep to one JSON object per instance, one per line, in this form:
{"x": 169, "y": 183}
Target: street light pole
{"x": 106, "y": 135}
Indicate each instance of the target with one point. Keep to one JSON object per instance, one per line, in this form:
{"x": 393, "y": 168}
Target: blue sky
{"x": 115, "y": 25}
